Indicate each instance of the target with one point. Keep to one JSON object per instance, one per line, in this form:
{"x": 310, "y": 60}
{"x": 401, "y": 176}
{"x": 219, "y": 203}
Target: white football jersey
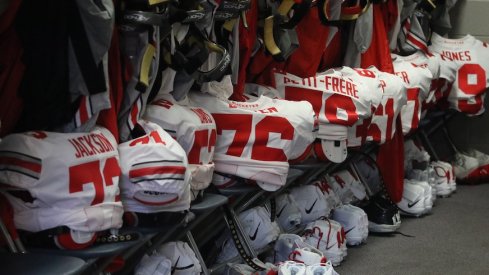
{"x": 383, "y": 124}
{"x": 257, "y": 138}
{"x": 155, "y": 175}
{"x": 439, "y": 68}
{"x": 357, "y": 134}
{"x": 418, "y": 82}
{"x": 337, "y": 99}
{"x": 73, "y": 179}
{"x": 470, "y": 59}
{"x": 195, "y": 130}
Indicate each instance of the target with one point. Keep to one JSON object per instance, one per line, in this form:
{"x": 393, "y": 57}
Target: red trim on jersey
{"x": 134, "y": 113}
{"x": 156, "y": 203}
{"x": 141, "y": 172}
{"x": 10, "y": 161}
{"x": 83, "y": 110}
{"x": 416, "y": 42}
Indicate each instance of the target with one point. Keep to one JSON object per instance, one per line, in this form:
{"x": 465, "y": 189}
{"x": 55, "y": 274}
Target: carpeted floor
{"x": 454, "y": 239}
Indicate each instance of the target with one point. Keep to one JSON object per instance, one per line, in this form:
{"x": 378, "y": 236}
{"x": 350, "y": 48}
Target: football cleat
{"x": 483, "y": 167}
{"x": 321, "y": 269}
{"x": 259, "y": 228}
{"x": 347, "y": 186}
{"x": 355, "y": 222}
{"x": 413, "y": 198}
{"x": 466, "y": 168}
{"x": 331, "y": 197}
{"x": 428, "y": 202}
{"x": 182, "y": 257}
{"x": 425, "y": 176}
{"x": 329, "y": 237}
{"x": 311, "y": 201}
{"x": 383, "y": 216}
{"x": 441, "y": 179}
{"x": 154, "y": 264}
{"x": 292, "y": 247}
{"x": 452, "y": 184}
{"x": 291, "y": 268}
{"x": 307, "y": 255}
{"x": 288, "y": 212}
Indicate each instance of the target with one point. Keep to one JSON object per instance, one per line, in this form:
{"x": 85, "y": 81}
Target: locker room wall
{"x": 477, "y": 11}
{"x": 471, "y": 132}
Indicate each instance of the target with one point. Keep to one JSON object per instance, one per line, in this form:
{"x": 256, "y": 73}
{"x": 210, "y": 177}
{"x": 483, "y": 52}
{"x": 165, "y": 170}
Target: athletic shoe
{"x": 292, "y": 247}
{"x": 331, "y": 197}
{"x": 288, "y": 212}
{"x": 441, "y": 179}
{"x": 424, "y": 176}
{"x": 329, "y": 237}
{"x": 466, "y": 168}
{"x": 321, "y": 269}
{"x": 383, "y": 216}
{"x": 355, "y": 222}
{"x": 482, "y": 158}
{"x": 259, "y": 228}
{"x": 432, "y": 182}
{"x": 308, "y": 256}
{"x": 182, "y": 257}
{"x": 428, "y": 203}
{"x": 153, "y": 265}
{"x": 311, "y": 201}
{"x": 291, "y": 268}
{"x": 412, "y": 202}
{"x": 482, "y": 171}
{"x": 347, "y": 186}
{"x": 452, "y": 183}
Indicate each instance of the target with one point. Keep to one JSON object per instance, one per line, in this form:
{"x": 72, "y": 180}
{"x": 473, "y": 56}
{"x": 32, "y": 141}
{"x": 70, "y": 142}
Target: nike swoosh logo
{"x": 308, "y": 211}
{"x": 346, "y": 232}
{"x": 281, "y": 210}
{"x": 256, "y": 231}
{"x": 184, "y": 267}
{"x": 412, "y": 204}
{"x": 329, "y": 247}
{"x": 175, "y": 266}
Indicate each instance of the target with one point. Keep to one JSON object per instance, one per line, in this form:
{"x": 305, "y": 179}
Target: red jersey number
{"x": 471, "y": 81}
{"x": 333, "y": 104}
{"x": 203, "y": 139}
{"x": 242, "y": 124}
{"x": 90, "y": 172}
